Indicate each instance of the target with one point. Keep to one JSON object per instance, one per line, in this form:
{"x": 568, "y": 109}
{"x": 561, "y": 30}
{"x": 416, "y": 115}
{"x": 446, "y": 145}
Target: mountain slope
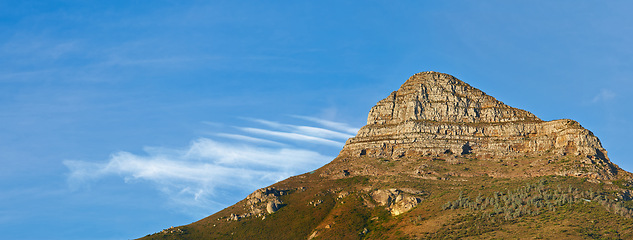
{"x": 439, "y": 158}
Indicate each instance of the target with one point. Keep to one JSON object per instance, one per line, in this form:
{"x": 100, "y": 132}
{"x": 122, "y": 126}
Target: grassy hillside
{"x": 454, "y": 206}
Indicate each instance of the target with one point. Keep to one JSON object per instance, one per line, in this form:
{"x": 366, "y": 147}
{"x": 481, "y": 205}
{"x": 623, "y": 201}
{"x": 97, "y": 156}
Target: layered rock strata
{"x": 434, "y": 113}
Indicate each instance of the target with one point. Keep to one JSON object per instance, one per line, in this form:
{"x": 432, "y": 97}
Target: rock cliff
{"x": 435, "y": 113}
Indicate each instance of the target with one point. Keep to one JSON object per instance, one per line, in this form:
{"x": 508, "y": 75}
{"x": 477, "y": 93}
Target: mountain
{"x": 440, "y": 159}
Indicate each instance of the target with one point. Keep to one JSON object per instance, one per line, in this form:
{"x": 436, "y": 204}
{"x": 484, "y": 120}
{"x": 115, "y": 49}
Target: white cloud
{"x": 330, "y": 124}
{"x": 193, "y": 175}
{"x": 210, "y": 174}
{"x": 292, "y": 136}
{"x": 307, "y": 130}
{"x": 604, "y": 95}
{"x": 272, "y": 124}
{"x": 321, "y": 132}
{"x": 248, "y": 139}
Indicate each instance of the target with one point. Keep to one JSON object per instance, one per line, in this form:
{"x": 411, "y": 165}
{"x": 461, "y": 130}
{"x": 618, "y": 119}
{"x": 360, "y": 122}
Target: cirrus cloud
{"x": 210, "y": 174}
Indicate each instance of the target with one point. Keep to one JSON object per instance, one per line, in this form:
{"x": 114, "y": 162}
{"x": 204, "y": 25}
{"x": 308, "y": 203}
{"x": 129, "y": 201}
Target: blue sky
{"x": 122, "y": 118}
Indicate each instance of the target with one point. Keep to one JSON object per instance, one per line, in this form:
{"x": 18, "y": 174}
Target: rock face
{"x": 259, "y": 203}
{"x": 396, "y": 201}
{"x": 434, "y": 113}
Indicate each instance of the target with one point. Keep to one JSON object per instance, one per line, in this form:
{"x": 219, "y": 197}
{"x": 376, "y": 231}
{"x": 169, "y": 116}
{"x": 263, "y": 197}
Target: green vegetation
{"x": 531, "y": 199}
{"x": 454, "y": 207}
{"x": 361, "y": 180}
{"x": 565, "y": 202}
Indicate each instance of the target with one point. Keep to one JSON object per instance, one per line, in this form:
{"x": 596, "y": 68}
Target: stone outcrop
{"x": 396, "y": 201}
{"x": 259, "y": 203}
{"x": 434, "y": 113}
{"x": 272, "y": 207}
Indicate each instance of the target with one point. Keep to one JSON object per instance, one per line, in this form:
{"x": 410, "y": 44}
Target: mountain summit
{"x": 436, "y": 113}
{"x": 441, "y": 159}
{"x": 432, "y": 96}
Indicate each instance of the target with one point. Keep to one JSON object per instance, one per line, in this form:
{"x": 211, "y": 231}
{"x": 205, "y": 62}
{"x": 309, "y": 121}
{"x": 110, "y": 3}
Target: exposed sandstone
{"x": 272, "y": 207}
{"x": 434, "y": 113}
{"x": 396, "y": 201}
{"x": 259, "y": 203}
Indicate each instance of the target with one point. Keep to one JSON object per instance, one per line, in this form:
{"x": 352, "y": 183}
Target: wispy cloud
{"x": 195, "y": 174}
{"x": 604, "y": 95}
{"x": 292, "y": 136}
{"x": 304, "y": 130}
{"x": 321, "y": 132}
{"x": 309, "y": 130}
{"x": 203, "y": 174}
{"x": 330, "y": 124}
{"x": 248, "y": 138}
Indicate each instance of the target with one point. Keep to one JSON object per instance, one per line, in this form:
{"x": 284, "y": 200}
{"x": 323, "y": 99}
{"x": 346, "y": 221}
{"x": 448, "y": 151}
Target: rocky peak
{"x": 437, "y": 114}
{"x": 440, "y": 97}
